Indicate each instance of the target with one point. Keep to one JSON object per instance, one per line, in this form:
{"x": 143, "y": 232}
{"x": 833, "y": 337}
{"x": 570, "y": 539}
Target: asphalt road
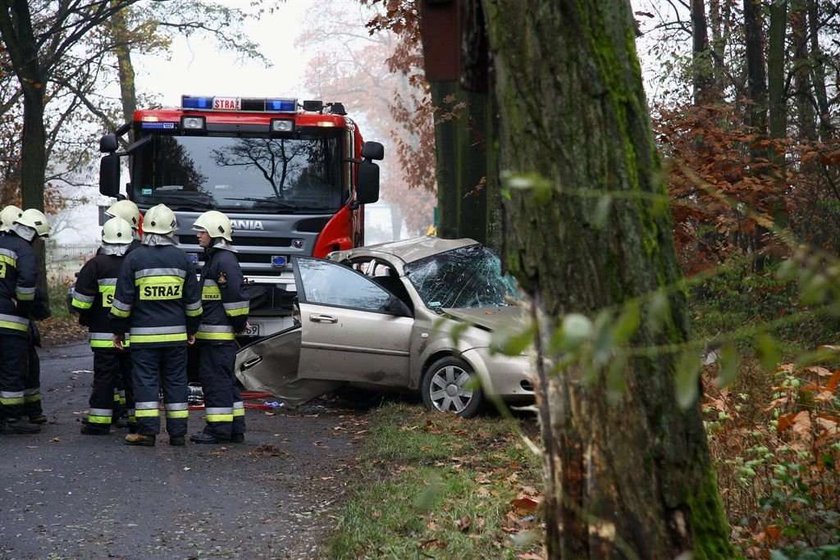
{"x": 64, "y": 495}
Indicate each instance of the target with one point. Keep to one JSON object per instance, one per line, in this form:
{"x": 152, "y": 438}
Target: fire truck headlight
{"x": 282, "y": 125}
{"x": 192, "y": 123}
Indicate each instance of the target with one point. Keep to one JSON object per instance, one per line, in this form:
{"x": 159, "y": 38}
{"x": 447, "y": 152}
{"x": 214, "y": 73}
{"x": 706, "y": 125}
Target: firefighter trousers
{"x": 14, "y": 350}
{"x": 32, "y": 404}
{"x": 225, "y": 413}
{"x": 151, "y": 367}
{"x": 109, "y": 367}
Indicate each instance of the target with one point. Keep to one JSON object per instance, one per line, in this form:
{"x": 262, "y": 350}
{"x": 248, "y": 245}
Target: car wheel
{"x": 450, "y": 385}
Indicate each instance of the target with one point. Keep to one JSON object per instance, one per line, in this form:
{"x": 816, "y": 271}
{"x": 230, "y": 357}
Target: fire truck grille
{"x": 241, "y": 241}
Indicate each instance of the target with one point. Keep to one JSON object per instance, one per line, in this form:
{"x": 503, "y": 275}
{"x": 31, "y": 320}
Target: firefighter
{"x": 158, "y": 303}
{"x": 19, "y": 273}
{"x": 129, "y": 212}
{"x": 225, "y": 313}
{"x": 92, "y": 295}
{"x": 123, "y": 407}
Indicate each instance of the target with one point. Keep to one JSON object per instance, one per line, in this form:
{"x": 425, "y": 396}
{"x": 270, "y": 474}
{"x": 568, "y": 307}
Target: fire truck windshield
{"x": 301, "y": 174}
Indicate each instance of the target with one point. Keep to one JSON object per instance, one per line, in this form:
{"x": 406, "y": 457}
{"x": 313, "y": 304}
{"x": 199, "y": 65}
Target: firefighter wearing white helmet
{"x": 129, "y": 212}
{"x": 91, "y": 298}
{"x": 226, "y": 310}
{"x": 157, "y": 301}
{"x": 19, "y": 368}
{"x": 8, "y": 216}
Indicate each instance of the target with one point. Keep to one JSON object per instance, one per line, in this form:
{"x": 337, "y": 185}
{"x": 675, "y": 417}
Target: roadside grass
{"x": 437, "y": 486}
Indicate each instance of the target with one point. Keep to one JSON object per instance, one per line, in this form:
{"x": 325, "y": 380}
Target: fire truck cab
{"x": 292, "y": 177}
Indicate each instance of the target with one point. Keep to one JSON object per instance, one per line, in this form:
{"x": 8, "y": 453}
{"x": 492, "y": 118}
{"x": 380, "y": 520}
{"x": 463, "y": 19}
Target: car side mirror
{"x": 397, "y": 307}
{"x": 367, "y": 191}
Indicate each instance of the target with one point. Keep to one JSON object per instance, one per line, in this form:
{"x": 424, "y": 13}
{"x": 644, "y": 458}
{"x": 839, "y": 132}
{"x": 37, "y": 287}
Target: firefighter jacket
{"x": 92, "y": 297}
{"x": 18, "y": 278}
{"x": 157, "y": 299}
{"x": 224, "y": 304}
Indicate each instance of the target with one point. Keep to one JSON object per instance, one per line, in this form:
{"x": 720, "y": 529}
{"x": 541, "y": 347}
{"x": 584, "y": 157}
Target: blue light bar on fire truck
{"x": 255, "y": 104}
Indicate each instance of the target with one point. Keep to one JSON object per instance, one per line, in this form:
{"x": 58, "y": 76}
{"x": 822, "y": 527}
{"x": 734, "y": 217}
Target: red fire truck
{"x": 293, "y": 177}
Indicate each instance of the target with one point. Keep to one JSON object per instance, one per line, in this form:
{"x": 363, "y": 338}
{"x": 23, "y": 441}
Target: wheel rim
{"x": 449, "y": 389}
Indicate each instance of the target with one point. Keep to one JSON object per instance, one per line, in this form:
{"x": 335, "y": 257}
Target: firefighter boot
{"x": 177, "y": 441}
{"x": 140, "y": 439}
{"x": 17, "y": 426}
{"x": 208, "y": 437}
{"x": 95, "y": 430}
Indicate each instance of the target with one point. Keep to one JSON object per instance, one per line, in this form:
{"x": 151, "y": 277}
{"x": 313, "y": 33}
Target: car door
{"x": 271, "y": 364}
{"x": 351, "y": 328}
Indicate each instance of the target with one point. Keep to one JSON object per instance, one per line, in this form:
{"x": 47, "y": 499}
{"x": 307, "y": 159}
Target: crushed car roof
{"x": 407, "y": 250}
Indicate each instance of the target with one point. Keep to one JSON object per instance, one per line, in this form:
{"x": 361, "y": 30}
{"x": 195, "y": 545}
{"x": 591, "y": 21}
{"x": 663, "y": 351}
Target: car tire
{"x": 451, "y": 385}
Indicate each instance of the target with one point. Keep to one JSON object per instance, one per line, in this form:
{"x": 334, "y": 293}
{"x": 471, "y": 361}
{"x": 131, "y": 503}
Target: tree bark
{"x": 125, "y": 69}
{"x": 701, "y": 57}
{"x": 776, "y": 71}
{"x": 818, "y": 62}
{"x": 802, "y": 92}
{"x": 756, "y": 74}
{"x": 628, "y": 472}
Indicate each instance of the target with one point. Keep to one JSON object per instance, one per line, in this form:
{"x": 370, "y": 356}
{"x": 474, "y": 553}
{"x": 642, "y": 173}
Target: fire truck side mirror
{"x": 367, "y": 191}
{"x": 109, "y": 175}
{"x": 373, "y": 150}
{"x": 108, "y": 143}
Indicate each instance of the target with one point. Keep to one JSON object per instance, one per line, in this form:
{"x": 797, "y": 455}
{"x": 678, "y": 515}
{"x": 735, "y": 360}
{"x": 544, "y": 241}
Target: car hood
{"x": 488, "y": 318}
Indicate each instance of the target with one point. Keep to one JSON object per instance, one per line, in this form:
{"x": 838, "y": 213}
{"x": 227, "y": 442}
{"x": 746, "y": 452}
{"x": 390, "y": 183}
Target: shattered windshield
{"x": 258, "y": 173}
{"x": 466, "y": 277}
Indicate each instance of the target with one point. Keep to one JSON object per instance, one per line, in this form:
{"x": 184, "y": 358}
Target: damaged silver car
{"x": 413, "y": 315}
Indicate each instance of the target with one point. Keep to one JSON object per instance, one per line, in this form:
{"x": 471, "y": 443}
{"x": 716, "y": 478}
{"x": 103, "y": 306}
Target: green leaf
{"x": 602, "y": 212}
{"x": 628, "y": 322}
{"x": 729, "y": 361}
{"x": 457, "y": 330}
{"x": 616, "y": 380}
{"x": 659, "y": 311}
{"x": 513, "y": 343}
{"x": 768, "y": 351}
{"x": 576, "y": 329}
{"x": 686, "y": 378}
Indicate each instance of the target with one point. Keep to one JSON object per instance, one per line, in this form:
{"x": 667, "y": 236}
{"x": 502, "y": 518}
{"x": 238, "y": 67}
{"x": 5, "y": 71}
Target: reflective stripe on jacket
{"x": 157, "y": 298}
{"x": 224, "y": 303}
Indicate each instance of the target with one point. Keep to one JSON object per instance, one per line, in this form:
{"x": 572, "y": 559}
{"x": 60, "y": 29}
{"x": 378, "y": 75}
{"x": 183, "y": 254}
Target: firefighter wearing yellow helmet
{"x": 158, "y": 302}
{"x": 8, "y": 216}
{"x": 20, "y": 394}
{"x": 129, "y": 212}
{"x": 92, "y": 295}
{"x": 226, "y": 310}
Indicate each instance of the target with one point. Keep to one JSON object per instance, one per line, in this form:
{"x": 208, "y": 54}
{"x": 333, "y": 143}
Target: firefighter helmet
{"x": 215, "y": 224}
{"x": 126, "y": 210}
{"x": 117, "y": 232}
{"x": 8, "y": 216}
{"x": 36, "y": 220}
{"x": 159, "y": 219}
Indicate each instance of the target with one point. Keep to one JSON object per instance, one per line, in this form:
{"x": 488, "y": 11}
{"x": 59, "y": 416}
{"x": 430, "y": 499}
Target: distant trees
{"x": 63, "y": 55}
{"x": 379, "y": 77}
{"x": 763, "y": 135}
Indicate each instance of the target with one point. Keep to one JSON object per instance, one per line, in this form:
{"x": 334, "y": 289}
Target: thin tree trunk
{"x": 718, "y": 46}
{"x": 756, "y": 75}
{"x": 776, "y": 69}
{"x": 701, "y": 59}
{"x": 629, "y": 471}
{"x": 818, "y": 63}
{"x": 804, "y": 101}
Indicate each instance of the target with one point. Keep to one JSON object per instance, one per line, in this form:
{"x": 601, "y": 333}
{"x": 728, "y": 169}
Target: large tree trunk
{"x": 118, "y": 26}
{"x": 19, "y": 40}
{"x": 628, "y": 471}
{"x": 818, "y": 62}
